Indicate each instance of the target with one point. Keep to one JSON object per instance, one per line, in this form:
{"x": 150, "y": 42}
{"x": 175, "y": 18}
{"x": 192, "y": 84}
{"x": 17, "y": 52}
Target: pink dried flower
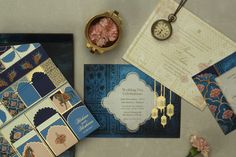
{"x": 228, "y": 114}
{"x": 103, "y": 32}
{"x": 201, "y": 87}
{"x": 203, "y": 66}
{"x": 199, "y": 145}
{"x": 184, "y": 78}
{"x": 215, "y": 93}
{"x": 212, "y": 108}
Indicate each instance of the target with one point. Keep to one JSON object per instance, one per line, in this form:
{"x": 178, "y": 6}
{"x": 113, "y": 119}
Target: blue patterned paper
{"x": 214, "y": 96}
{"x": 21, "y": 68}
{"x": 100, "y": 79}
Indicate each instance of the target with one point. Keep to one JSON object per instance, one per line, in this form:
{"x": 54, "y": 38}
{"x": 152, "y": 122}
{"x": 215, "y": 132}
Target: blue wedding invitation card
{"x": 128, "y": 103}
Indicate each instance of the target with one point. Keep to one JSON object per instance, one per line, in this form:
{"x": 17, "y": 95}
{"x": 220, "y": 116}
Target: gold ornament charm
{"x": 154, "y": 114}
{"x": 161, "y": 101}
{"x": 170, "y": 109}
{"x": 163, "y": 121}
{"x": 160, "y": 104}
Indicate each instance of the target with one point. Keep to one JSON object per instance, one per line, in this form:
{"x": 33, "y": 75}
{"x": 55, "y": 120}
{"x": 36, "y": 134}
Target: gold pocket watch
{"x": 162, "y": 29}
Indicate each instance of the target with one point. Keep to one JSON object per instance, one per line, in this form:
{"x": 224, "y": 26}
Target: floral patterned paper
{"x": 5, "y": 148}
{"x": 13, "y": 103}
{"x": 19, "y": 131}
{"x": 213, "y": 95}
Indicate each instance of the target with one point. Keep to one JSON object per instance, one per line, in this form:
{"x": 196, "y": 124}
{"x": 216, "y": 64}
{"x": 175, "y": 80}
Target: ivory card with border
{"x": 193, "y": 47}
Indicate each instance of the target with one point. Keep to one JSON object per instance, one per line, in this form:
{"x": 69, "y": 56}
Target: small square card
{"x": 25, "y": 139}
{"x": 128, "y": 103}
{"x": 218, "y": 87}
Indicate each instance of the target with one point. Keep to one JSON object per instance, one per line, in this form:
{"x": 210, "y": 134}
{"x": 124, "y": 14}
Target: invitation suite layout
{"x": 193, "y": 47}
{"x": 128, "y": 103}
{"x": 40, "y": 113}
{"x": 217, "y": 85}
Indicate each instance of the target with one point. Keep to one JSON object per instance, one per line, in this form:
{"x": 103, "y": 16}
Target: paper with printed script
{"x": 193, "y": 47}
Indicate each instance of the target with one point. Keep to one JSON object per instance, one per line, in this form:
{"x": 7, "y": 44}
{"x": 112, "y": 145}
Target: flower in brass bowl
{"x": 103, "y": 32}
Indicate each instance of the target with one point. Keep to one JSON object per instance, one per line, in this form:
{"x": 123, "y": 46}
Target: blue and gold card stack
{"x": 40, "y": 113}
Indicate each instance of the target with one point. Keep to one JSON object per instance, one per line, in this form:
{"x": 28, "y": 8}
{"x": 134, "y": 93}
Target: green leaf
{"x": 193, "y": 152}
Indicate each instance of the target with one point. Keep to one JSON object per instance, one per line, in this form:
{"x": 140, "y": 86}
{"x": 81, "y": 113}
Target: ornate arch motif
{"x": 23, "y": 48}
{"x": 43, "y": 114}
{"x": 42, "y": 83}
{"x": 9, "y": 57}
{"x": 3, "y": 49}
{"x": 28, "y": 93}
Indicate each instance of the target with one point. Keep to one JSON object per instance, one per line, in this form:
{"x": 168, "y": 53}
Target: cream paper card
{"x": 193, "y": 47}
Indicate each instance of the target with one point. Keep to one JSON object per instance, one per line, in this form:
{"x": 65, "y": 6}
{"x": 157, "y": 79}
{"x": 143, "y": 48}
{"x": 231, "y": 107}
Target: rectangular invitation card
{"x": 128, "y": 103}
{"x": 218, "y": 87}
{"x": 193, "y": 46}
{"x": 38, "y": 107}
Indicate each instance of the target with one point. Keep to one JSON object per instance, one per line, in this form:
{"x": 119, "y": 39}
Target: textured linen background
{"x": 60, "y": 16}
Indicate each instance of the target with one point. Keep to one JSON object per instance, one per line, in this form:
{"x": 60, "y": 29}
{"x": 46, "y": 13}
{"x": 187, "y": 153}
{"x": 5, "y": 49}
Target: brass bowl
{"x": 114, "y": 15}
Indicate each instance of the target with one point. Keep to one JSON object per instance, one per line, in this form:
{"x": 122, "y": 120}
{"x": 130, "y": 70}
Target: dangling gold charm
{"x": 154, "y": 114}
{"x": 161, "y": 105}
{"x": 161, "y": 101}
{"x": 170, "y": 108}
{"x": 163, "y": 121}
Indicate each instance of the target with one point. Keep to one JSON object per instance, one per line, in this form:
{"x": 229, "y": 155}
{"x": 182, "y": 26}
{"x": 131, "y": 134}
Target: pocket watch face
{"x": 161, "y": 29}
